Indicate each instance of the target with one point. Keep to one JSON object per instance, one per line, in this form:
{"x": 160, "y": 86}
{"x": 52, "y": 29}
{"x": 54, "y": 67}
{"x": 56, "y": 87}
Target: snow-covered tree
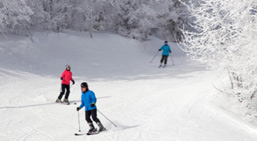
{"x": 76, "y": 15}
{"x": 132, "y": 18}
{"x": 138, "y": 18}
{"x": 15, "y": 16}
{"x": 224, "y": 38}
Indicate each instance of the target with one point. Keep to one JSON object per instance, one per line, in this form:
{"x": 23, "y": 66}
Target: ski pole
{"x": 154, "y": 57}
{"x": 79, "y": 122}
{"x": 106, "y": 117}
{"x": 172, "y": 60}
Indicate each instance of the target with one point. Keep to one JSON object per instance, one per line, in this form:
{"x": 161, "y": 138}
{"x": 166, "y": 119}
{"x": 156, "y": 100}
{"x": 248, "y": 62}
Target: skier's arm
{"x": 160, "y": 48}
{"x": 72, "y": 79}
{"x": 82, "y": 102}
{"x": 62, "y": 76}
{"x": 93, "y": 98}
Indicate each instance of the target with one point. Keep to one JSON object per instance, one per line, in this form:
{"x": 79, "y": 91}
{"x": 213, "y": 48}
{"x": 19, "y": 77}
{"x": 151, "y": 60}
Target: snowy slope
{"x": 147, "y": 103}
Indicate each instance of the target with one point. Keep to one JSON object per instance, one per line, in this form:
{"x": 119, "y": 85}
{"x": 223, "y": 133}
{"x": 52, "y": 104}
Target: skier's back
{"x": 165, "y": 53}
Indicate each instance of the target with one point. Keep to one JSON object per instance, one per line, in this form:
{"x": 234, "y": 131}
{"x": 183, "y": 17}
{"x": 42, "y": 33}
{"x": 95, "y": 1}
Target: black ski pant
{"x": 92, "y": 113}
{"x": 67, "y": 87}
{"x": 164, "y": 58}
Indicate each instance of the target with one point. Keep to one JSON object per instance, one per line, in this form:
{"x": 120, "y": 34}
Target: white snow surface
{"x": 145, "y": 102}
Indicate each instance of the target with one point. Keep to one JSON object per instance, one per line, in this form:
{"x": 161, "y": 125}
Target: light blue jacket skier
{"x": 165, "y": 53}
{"x": 165, "y": 49}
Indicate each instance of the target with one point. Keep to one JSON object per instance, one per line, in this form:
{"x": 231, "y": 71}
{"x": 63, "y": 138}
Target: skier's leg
{"x": 161, "y": 61}
{"x": 87, "y": 116}
{"x": 162, "y": 58}
{"x": 67, "y": 91}
{"x": 165, "y": 59}
{"x": 98, "y": 122}
{"x": 94, "y": 115}
{"x": 89, "y": 121}
{"x": 61, "y": 93}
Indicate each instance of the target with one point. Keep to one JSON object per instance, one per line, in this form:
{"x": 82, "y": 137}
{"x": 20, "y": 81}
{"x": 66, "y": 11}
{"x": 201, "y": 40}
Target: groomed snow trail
{"x": 147, "y": 103}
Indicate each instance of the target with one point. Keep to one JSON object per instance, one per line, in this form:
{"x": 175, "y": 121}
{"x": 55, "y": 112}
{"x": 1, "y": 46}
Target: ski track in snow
{"x": 146, "y": 102}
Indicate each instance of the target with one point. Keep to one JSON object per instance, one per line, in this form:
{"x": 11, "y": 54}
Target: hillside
{"x": 146, "y": 102}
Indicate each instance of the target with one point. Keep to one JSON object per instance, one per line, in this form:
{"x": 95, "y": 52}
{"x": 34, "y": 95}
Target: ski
{"x": 79, "y": 134}
{"x": 65, "y": 103}
{"x": 89, "y": 133}
{"x": 93, "y": 133}
{"x": 62, "y": 102}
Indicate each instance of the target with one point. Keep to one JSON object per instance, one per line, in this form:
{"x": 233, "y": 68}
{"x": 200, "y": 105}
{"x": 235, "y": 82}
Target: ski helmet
{"x": 67, "y": 66}
{"x": 84, "y": 85}
{"x": 166, "y": 42}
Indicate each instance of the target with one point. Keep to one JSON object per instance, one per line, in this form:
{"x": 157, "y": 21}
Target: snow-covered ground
{"x": 146, "y": 102}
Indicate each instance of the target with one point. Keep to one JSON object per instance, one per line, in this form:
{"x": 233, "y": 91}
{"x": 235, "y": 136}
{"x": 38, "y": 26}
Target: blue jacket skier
{"x": 165, "y": 53}
{"x": 88, "y": 101}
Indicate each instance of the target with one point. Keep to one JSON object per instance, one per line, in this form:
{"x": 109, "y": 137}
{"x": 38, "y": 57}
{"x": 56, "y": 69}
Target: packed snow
{"x": 176, "y": 103}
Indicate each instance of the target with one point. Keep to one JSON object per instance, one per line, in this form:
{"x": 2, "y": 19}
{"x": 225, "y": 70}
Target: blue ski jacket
{"x": 166, "y": 50}
{"x": 86, "y": 99}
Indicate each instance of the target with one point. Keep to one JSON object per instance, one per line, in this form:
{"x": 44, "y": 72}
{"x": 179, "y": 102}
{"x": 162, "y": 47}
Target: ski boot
{"x": 92, "y": 129}
{"x": 58, "y": 100}
{"x": 164, "y": 65}
{"x": 101, "y": 127}
{"x": 66, "y": 101}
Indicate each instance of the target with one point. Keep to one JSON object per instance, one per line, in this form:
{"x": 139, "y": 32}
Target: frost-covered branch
{"x": 224, "y": 38}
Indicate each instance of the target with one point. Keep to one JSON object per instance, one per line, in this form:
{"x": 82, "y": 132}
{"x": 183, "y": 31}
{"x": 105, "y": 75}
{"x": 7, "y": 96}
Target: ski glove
{"x": 170, "y": 51}
{"x": 61, "y": 78}
{"x": 92, "y": 105}
{"x": 160, "y": 49}
{"x": 73, "y": 82}
{"x": 78, "y": 108}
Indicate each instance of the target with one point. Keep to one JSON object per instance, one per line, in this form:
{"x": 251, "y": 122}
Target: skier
{"x": 165, "y": 53}
{"x": 66, "y": 78}
{"x": 88, "y": 100}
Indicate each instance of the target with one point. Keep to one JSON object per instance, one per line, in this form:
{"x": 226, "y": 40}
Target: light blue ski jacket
{"x": 86, "y": 99}
{"x": 166, "y": 50}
